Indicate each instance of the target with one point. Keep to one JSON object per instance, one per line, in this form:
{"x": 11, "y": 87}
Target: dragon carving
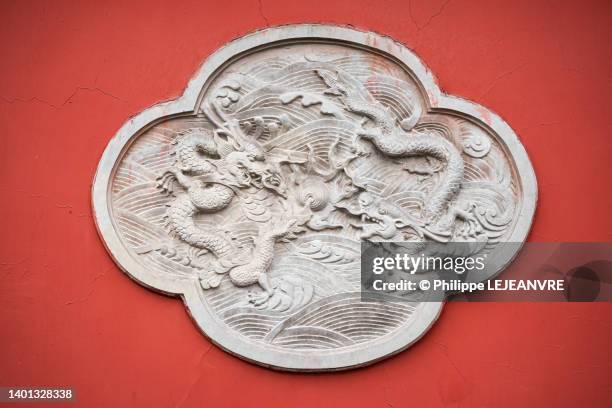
{"x": 403, "y": 140}
{"x": 215, "y": 166}
{"x": 211, "y": 171}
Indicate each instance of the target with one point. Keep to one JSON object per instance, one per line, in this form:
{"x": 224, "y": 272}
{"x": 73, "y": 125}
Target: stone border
{"x": 188, "y": 104}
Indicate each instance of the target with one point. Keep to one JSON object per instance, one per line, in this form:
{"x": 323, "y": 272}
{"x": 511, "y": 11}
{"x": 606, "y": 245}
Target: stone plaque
{"x": 249, "y": 195}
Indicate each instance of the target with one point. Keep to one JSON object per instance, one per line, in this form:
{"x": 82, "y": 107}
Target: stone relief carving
{"x": 252, "y": 202}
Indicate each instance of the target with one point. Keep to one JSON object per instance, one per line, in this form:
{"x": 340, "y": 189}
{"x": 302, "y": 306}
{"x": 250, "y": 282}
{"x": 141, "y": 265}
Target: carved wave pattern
{"x": 317, "y": 303}
{"x": 339, "y": 321}
{"x": 324, "y": 270}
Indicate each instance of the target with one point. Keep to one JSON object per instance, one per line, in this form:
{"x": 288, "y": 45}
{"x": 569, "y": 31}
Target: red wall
{"x": 72, "y": 72}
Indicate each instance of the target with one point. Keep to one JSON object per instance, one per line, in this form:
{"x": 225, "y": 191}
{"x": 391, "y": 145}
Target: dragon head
{"x": 245, "y": 169}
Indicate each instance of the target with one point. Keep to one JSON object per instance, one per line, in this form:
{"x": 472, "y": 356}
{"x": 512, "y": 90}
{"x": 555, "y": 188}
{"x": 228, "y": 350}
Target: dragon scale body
{"x": 394, "y": 142}
{"x": 250, "y": 273}
{"x": 194, "y": 151}
{"x": 189, "y": 150}
{"x": 181, "y": 216}
{"x": 261, "y": 258}
{"x": 192, "y": 148}
{"x": 375, "y": 112}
